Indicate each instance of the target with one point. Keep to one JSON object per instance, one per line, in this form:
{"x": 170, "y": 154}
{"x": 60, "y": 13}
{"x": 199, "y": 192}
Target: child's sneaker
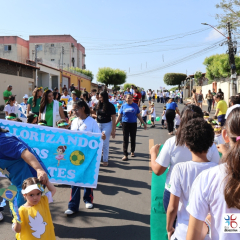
{"x": 89, "y": 205}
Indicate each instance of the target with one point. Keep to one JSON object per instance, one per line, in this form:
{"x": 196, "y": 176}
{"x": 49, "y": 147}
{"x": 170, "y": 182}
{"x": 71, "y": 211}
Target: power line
{"x": 191, "y": 56}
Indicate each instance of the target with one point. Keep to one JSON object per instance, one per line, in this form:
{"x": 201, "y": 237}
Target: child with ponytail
{"x": 217, "y": 190}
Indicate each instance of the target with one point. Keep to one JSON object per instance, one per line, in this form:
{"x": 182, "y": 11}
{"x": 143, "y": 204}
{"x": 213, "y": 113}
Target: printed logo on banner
{"x": 231, "y": 223}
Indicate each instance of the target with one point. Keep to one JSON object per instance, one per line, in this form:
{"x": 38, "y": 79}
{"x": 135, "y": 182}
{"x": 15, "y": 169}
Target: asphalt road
{"x": 121, "y": 200}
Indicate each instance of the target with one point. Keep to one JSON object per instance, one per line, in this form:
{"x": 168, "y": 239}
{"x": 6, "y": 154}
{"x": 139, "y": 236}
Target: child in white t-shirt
{"x": 144, "y": 114}
{"x": 164, "y": 122}
{"x": 217, "y": 190}
{"x": 198, "y": 136}
{"x": 177, "y": 121}
{"x": 153, "y": 115}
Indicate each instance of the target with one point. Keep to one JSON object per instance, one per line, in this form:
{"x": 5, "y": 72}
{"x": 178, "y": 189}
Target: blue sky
{"x": 113, "y": 30}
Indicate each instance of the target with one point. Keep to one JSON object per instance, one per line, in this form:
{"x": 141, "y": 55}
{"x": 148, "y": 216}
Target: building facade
{"x": 14, "y": 48}
{"x": 20, "y": 76}
{"x": 61, "y": 51}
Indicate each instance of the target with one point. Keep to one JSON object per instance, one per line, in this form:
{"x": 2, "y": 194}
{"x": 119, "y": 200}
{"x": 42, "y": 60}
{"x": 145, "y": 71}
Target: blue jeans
{"x": 107, "y": 127}
{"x": 76, "y": 195}
{"x": 166, "y": 199}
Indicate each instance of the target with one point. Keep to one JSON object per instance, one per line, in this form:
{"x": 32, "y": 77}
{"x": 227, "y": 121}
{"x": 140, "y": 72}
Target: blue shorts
{"x": 200, "y": 101}
{"x": 149, "y": 98}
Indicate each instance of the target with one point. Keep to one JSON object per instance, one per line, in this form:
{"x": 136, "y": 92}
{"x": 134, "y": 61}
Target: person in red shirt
{"x": 137, "y": 97}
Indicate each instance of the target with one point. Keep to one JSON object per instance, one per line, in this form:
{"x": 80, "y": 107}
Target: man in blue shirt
{"x": 127, "y": 92}
{"x": 143, "y": 93}
{"x": 19, "y": 162}
{"x": 129, "y": 113}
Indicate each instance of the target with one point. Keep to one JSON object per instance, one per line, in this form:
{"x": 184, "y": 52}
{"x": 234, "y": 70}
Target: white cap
{"x": 33, "y": 187}
{"x": 25, "y": 96}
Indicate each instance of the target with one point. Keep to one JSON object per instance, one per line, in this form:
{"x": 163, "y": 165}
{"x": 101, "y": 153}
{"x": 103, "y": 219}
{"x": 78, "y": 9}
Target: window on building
{"x": 7, "y": 47}
{"x": 73, "y": 61}
{"x": 52, "y": 60}
{"x": 52, "y": 45}
{"x": 39, "y": 48}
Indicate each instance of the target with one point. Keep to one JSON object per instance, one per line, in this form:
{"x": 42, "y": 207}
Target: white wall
{"x": 205, "y": 89}
{"x": 225, "y": 87}
{"x": 21, "y": 86}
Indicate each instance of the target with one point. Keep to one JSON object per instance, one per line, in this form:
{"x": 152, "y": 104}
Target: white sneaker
{"x": 1, "y": 216}
{"x": 68, "y": 212}
{"x": 89, "y": 205}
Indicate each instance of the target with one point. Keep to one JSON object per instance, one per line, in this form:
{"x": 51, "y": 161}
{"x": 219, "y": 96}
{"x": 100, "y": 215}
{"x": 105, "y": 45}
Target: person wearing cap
{"x": 24, "y": 103}
{"x": 7, "y": 93}
{"x": 18, "y": 162}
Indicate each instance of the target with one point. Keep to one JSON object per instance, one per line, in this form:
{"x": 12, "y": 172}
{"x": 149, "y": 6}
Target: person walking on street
{"x": 72, "y": 88}
{"x": 171, "y": 109}
{"x": 221, "y": 108}
{"x": 132, "y": 90}
{"x": 127, "y": 91}
{"x": 137, "y": 97}
{"x": 200, "y": 99}
{"x": 7, "y": 93}
{"x": 129, "y": 113}
{"x": 158, "y": 96}
{"x": 85, "y": 123}
{"x": 209, "y": 98}
{"x": 143, "y": 93}
{"x": 106, "y": 119}
{"x": 149, "y": 93}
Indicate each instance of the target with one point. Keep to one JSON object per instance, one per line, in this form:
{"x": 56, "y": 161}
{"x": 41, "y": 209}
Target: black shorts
{"x": 152, "y": 119}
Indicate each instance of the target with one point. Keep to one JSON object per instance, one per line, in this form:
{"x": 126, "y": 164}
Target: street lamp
{"x": 214, "y": 28}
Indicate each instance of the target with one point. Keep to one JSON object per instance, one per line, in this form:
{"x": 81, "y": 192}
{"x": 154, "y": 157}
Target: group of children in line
{"x": 203, "y": 192}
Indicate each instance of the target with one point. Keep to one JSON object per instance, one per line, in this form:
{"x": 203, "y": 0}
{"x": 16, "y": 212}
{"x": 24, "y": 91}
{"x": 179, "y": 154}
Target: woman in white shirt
{"x": 84, "y": 123}
{"x": 217, "y": 190}
{"x": 10, "y": 105}
{"x": 174, "y": 151}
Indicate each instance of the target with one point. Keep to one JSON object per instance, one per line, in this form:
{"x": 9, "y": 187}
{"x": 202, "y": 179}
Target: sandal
{"x": 132, "y": 154}
{"x": 105, "y": 164}
{"x": 125, "y": 158}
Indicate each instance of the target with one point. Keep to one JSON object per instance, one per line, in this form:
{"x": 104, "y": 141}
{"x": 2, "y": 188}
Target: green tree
{"x": 174, "y": 89}
{"x": 217, "y": 66}
{"x": 197, "y": 76}
{"x": 128, "y": 85}
{"x": 174, "y": 78}
{"x": 110, "y": 76}
{"x": 231, "y": 13}
{"x": 83, "y": 71}
{"x": 116, "y": 88}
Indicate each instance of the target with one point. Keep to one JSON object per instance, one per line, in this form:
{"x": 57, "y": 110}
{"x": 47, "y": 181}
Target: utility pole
{"x": 231, "y": 52}
{"x": 36, "y": 47}
{"x": 62, "y": 56}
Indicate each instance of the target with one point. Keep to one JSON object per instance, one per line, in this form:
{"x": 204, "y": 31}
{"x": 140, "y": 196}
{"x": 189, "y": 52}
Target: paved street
{"x": 121, "y": 200}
